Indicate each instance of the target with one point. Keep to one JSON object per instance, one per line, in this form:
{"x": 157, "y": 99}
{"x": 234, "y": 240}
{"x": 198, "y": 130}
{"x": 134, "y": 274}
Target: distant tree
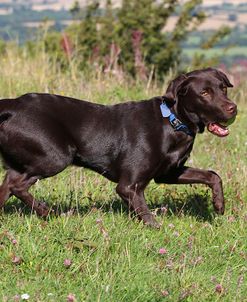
{"x": 147, "y": 20}
{"x": 160, "y": 48}
{"x": 134, "y": 36}
{"x": 137, "y": 33}
{"x": 86, "y": 35}
{"x": 200, "y": 60}
{"x": 75, "y": 9}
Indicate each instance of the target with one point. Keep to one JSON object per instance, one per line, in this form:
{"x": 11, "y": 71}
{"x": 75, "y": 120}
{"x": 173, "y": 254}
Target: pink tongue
{"x": 218, "y": 129}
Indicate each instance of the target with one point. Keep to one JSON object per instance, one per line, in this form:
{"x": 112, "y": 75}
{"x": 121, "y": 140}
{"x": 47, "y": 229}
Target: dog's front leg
{"x": 187, "y": 175}
{"x": 133, "y": 195}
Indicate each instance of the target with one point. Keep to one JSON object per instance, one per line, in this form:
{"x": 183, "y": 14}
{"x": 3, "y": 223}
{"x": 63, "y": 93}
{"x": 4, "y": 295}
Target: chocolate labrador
{"x": 128, "y": 143}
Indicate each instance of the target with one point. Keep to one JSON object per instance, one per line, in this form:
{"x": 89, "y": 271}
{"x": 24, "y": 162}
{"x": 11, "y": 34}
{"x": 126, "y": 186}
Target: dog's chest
{"x": 177, "y": 152}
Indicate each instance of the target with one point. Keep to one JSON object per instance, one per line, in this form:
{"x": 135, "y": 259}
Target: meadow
{"x": 234, "y": 51}
{"x": 95, "y": 250}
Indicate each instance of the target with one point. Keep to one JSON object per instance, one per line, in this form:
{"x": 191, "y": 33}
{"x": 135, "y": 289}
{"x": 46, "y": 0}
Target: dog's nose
{"x": 231, "y": 108}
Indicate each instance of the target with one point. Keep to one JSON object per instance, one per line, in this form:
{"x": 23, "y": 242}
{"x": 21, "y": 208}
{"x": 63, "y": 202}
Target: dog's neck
{"x": 177, "y": 124}
{"x": 188, "y": 118}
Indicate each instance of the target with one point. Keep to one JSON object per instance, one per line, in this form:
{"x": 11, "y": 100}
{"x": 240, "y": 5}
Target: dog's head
{"x": 200, "y": 98}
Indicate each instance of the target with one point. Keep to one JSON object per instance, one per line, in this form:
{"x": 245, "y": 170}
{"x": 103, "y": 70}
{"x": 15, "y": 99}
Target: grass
{"x": 95, "y": 251}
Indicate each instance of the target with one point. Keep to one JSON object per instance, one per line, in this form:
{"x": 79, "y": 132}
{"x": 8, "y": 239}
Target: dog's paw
{"x": 153, "y": 224}
{"x": 219, "y": 208}
{"x": 43, "y": 210}
{"x": 150, "y": 221}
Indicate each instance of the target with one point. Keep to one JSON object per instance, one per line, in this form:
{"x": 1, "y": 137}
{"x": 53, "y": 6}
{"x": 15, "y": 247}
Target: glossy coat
{"x": 129, "y": 143}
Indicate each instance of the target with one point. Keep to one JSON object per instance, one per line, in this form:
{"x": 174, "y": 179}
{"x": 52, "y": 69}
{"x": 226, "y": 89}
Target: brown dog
{"x": 129, "y": 143}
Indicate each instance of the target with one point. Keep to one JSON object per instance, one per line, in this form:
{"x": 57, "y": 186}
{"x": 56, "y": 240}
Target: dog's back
{"x": 42, "y": 134}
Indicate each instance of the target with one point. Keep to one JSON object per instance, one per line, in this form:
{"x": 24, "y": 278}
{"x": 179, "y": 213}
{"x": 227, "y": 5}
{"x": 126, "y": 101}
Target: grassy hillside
{"x": 95, "y": 251}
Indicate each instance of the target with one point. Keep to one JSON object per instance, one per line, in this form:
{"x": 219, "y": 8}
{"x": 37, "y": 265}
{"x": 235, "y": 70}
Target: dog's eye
{"x": 204, "y": 93}
{"x": 224, "y": 89}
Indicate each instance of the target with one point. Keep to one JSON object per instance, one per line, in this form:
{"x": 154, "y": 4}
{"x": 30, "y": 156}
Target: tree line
{"x": 131, "y": 38}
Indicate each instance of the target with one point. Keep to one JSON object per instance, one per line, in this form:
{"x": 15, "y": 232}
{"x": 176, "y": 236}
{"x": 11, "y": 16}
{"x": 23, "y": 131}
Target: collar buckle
{"x": 174, "y": 121}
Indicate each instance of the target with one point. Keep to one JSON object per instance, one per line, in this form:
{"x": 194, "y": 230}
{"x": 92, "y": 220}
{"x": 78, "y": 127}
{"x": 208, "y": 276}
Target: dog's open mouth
{"x": 218, "y": 129}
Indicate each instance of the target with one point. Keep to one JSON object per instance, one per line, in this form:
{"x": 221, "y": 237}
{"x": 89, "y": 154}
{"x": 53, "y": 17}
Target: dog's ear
{"x": 175, "y": 88}
{"x": 221, "y": 76}
{"x": 224, "y": 78}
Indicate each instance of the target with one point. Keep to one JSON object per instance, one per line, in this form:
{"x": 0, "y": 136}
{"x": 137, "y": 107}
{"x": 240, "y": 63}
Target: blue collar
{"x": 174, "y": 121}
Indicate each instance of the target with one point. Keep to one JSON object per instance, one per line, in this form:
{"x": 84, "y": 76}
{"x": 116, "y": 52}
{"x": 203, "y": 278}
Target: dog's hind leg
{"x": 18, "y": 184}
{"x": 5, "y": 192}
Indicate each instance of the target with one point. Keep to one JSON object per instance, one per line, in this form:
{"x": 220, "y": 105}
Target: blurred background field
{"x": 20, "y": 20}
{"x": 95, "y": 250}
